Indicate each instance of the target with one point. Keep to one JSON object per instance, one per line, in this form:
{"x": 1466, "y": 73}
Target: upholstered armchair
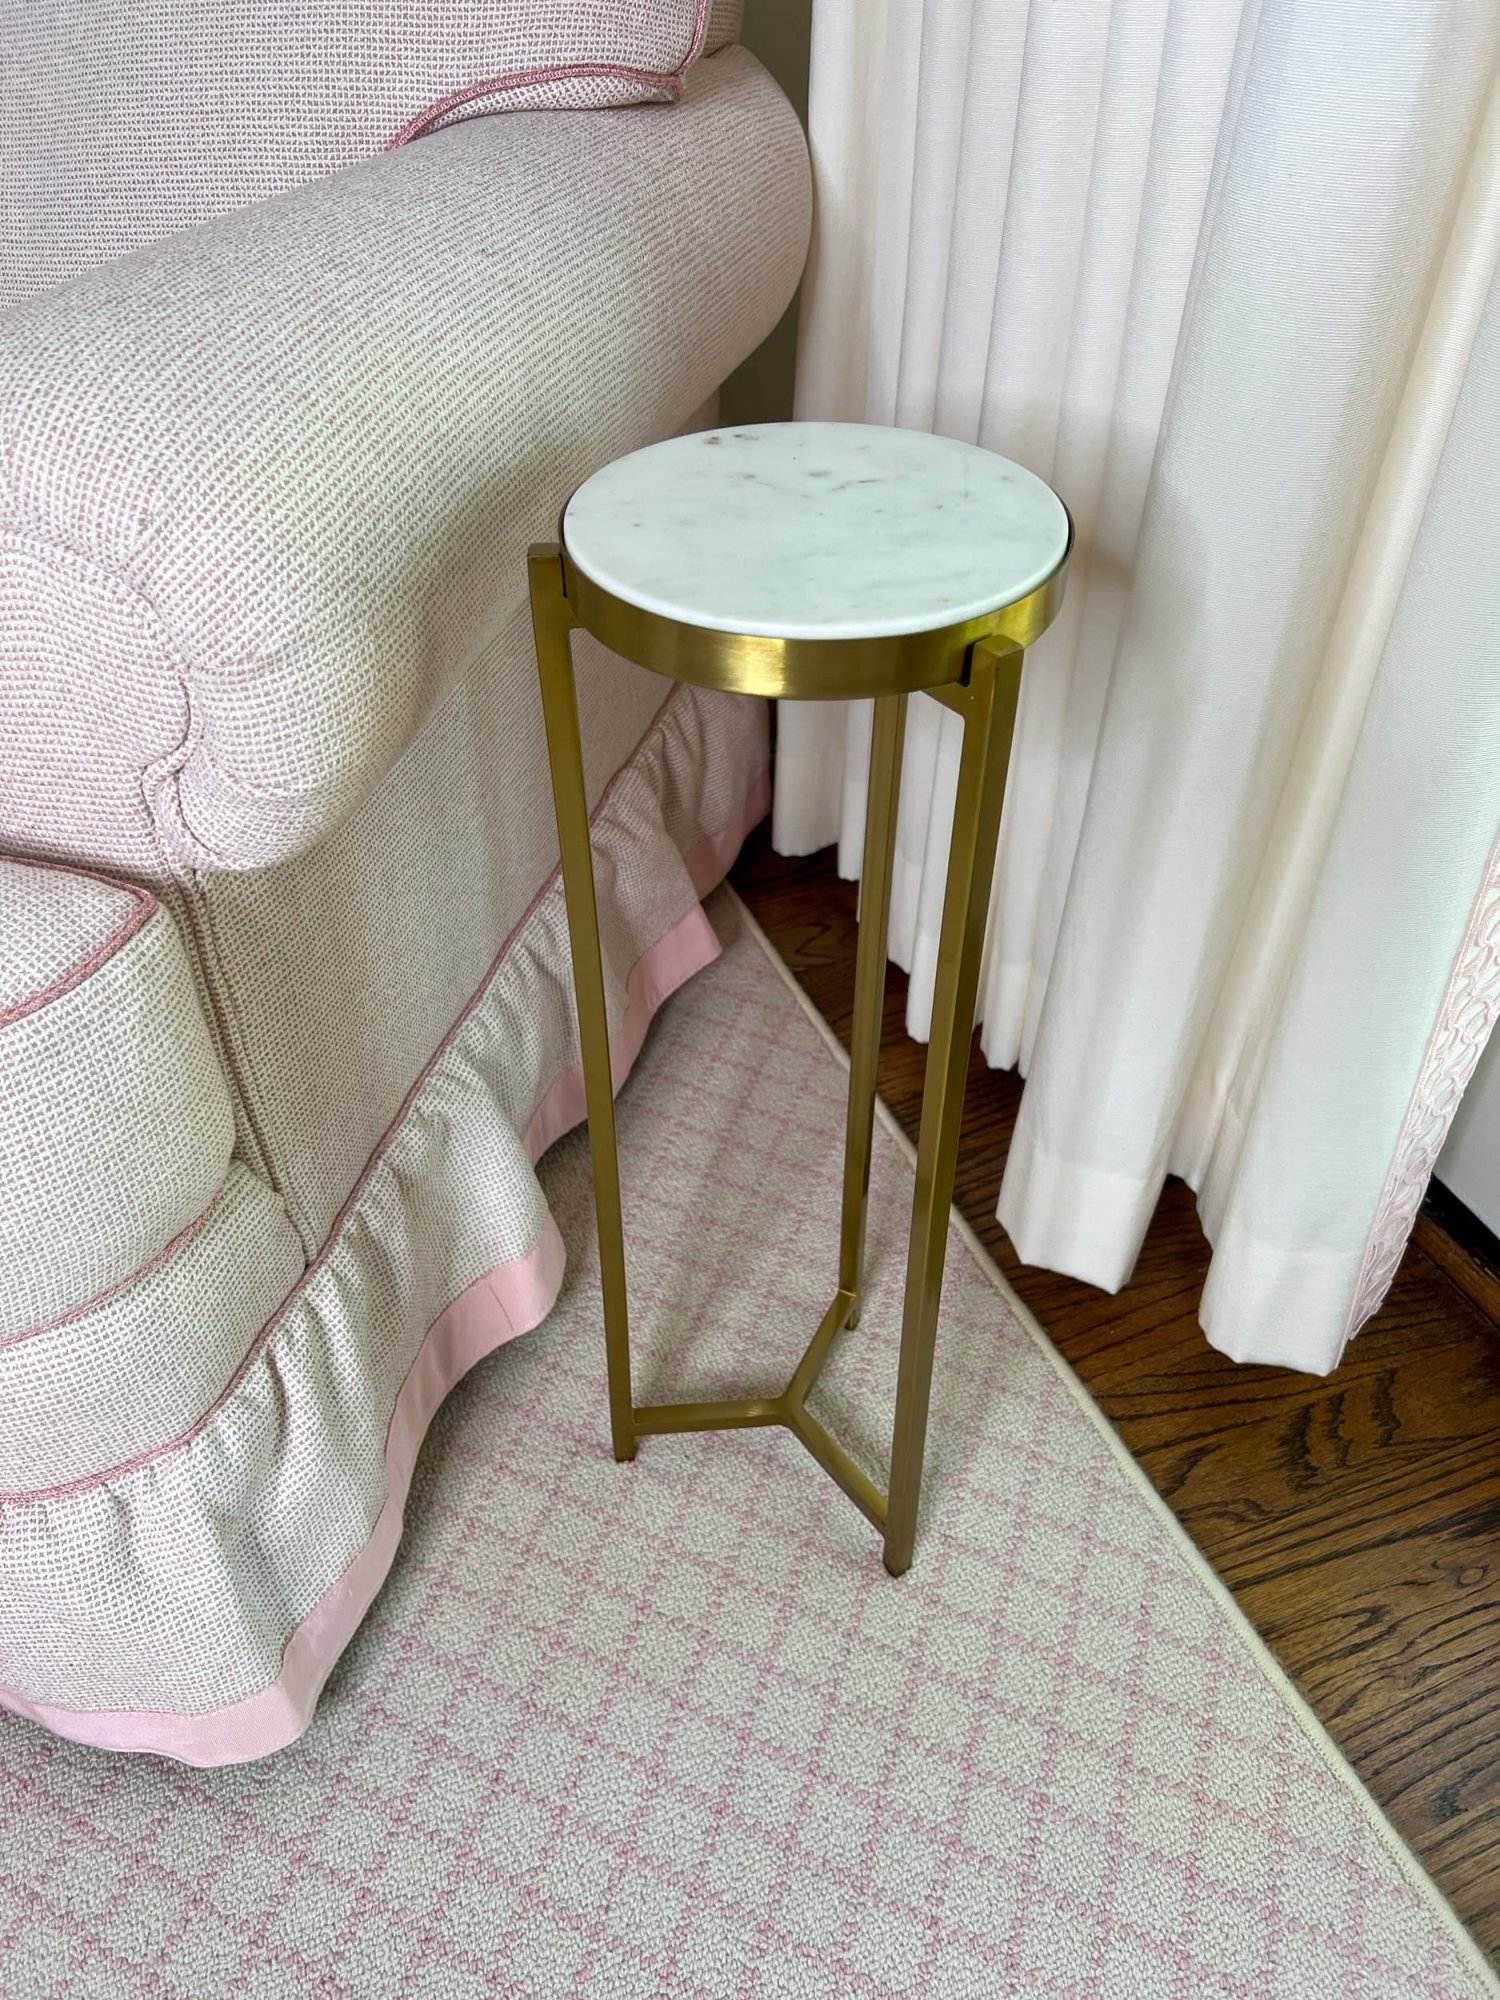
{"x": 284, "y": 1010}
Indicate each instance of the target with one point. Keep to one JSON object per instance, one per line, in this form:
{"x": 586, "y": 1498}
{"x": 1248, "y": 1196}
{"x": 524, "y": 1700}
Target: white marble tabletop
{"x": 817, "y": 531}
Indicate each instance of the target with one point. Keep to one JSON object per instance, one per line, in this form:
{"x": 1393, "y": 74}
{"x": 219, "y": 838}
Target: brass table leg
{"x": 994, "y": 689}
{"x": 986, "y": 699}
{"x": 552, "y": 624}
{"x": 882, "y": 797}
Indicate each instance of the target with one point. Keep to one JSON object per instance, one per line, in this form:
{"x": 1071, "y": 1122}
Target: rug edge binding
{"x": 1266, "y": 1661}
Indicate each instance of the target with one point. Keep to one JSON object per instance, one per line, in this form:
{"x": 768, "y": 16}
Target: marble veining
{"x": 818, "y": 531}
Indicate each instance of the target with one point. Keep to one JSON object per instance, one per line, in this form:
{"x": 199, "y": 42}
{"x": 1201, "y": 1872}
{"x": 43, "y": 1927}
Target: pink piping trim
{"x": 505, "y": 1302}
{"x": 668, "y": 80}
{"x": 86, "y": 1481}
{"x": 143, "y": 904}
{"x": 180, "y": 1241}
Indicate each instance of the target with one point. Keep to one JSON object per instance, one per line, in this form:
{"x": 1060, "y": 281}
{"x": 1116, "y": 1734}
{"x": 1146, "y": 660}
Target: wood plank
{"x": 1356, "y": 1518}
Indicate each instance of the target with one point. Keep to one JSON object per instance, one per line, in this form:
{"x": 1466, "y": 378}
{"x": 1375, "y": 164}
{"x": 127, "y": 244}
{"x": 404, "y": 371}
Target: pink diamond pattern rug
{"x": 670, "y": 1730}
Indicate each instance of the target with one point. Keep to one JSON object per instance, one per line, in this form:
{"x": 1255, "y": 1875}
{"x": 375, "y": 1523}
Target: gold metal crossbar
{"x": 789, "y": 1409}
{"x": 974, "y": 669}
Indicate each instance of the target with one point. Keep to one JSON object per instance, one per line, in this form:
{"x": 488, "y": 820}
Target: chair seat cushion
{"x": 117, "y": 1117}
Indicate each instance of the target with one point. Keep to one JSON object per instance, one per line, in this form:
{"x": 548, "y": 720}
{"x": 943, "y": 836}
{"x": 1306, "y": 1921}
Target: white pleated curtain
{"x": 1224, "y": 274}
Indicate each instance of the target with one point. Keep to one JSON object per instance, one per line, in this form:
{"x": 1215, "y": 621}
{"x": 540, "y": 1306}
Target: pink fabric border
{"x": 666, "y": 80}
{"x": 505, "y": 1302}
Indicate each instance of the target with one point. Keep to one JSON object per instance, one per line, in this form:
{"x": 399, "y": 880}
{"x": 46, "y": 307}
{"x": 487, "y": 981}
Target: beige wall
{"x": 760, "y": 391}
{"x": 1470, "y": 1162}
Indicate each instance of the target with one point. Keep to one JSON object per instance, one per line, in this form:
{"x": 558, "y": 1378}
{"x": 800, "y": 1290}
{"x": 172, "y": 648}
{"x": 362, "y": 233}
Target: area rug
{"x": 669, "y": 1729}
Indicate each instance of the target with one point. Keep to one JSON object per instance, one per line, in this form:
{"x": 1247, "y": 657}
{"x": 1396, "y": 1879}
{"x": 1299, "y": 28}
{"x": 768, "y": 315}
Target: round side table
{"x": 820, "y": 562}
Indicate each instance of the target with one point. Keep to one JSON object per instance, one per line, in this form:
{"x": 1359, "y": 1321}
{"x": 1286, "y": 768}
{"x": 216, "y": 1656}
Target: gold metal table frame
{"x": 974, "y": 669}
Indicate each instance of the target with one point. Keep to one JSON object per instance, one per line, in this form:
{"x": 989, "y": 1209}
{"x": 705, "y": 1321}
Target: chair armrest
{"x": 268, "y": 486}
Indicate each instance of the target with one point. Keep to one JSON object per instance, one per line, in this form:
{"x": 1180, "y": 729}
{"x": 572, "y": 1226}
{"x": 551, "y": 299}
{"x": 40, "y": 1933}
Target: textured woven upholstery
{"x": 265, "y": 493}
{"x": 125, "y": 124}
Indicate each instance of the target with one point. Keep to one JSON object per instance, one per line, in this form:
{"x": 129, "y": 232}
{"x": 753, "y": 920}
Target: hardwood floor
{"x": 1356, "y": 1519}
